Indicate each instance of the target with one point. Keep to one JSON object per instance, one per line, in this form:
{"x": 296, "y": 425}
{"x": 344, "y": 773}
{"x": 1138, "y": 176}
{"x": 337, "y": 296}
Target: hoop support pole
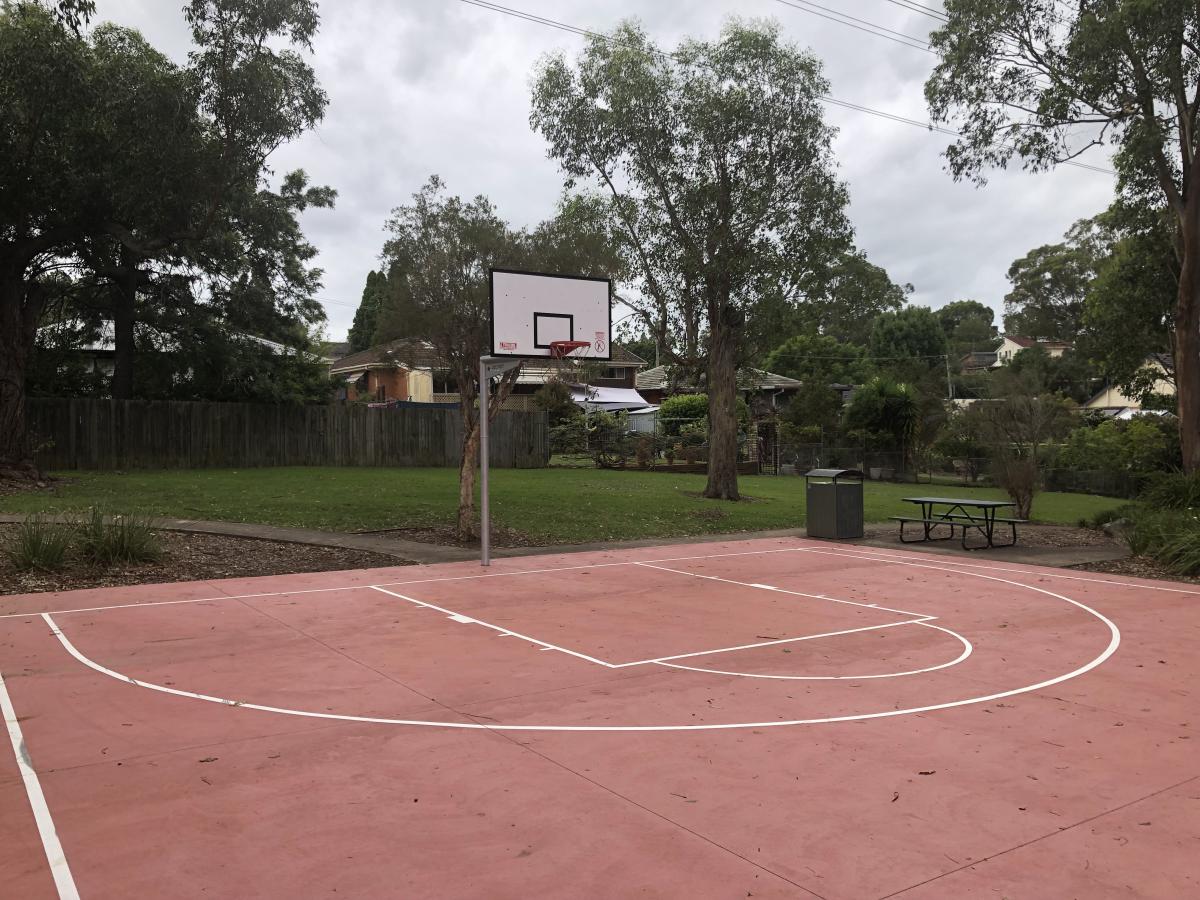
{"x": 485, "y": 522}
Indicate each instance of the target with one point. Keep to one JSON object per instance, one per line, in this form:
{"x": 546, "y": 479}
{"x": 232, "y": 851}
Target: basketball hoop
{"x": 563, "y": 349}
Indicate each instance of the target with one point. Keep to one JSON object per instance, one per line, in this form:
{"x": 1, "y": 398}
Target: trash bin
{"x": 835, "y": 503}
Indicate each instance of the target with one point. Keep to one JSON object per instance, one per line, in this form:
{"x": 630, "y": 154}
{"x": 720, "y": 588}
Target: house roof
{"x": 334, "y": 350}
{"x": 765, "y": 380}
{"x": 621, "y": 356}
{"x": 1166, "y": 360}
{"x": 978, "y": 359}
{"x": 410, "y": 353}
{"x": 404, "y": 353}
{"x": 1027, "y": 342}
{"x": 659, "y": 379}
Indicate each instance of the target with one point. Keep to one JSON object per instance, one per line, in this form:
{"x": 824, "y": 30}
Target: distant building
{"x": 409, "y": 369}
{"x": 1014, "y": 344}
{"x": 1112, "y": 402}
{"x": 399, "y": 370}
{"x": 977, "y": 361}
{"x": 757, "y": 387}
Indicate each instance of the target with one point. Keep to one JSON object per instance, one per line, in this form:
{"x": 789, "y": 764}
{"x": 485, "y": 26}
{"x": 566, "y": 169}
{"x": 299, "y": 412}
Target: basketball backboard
{"x": 530, "y": 310}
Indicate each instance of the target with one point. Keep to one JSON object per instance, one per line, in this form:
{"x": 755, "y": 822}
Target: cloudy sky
{"x": 441, "y": 86}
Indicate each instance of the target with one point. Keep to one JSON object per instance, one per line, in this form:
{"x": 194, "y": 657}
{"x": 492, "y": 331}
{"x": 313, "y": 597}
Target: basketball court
{"x": 771, "y": 718}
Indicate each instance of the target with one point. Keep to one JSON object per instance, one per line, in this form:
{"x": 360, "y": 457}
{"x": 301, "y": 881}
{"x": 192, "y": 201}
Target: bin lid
{"x": 834, "y": 473}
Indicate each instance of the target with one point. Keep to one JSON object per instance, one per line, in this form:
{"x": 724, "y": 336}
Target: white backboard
{"x": 531, "y": 309}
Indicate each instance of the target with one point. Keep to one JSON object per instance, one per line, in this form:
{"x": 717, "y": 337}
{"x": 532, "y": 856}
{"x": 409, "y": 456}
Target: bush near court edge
{"x": 1164, "y": 523}
{"x": 97, "y": 540}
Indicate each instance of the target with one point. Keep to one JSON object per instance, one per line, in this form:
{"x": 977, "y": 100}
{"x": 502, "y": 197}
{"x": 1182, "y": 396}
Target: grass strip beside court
{"x": 549, "y": 505}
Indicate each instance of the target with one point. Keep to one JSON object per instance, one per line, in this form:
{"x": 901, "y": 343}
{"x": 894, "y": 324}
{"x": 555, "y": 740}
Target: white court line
{"x": 1113, "y": 643}
{"x": 545, "y": 645}
{"x": 890, "y": 554}
{"x": 967, "y": 650}
{"x": 807, "y": 637}
{"x": 504, "y": 632}
{"x": 55, "y": 857}
{"x": 779, "y": 590}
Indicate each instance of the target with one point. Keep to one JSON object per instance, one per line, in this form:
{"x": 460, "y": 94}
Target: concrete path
{"x": 419, "y": 552}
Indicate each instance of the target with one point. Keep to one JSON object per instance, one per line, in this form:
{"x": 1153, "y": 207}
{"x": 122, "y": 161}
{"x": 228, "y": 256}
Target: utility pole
{"x": 949, "y": 381}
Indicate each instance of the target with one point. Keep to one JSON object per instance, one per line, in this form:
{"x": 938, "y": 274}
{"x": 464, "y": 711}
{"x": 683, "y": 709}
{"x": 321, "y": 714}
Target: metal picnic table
{"x": 961, "y": 512}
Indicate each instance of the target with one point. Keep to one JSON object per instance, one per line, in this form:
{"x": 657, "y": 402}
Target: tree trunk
{"x": 18, "y": 326}
{"x": 1187, "y": 340}
{"x": 722, "y": 408}
{"x": 124, "y": 316}
{"x": 467, "y": 528}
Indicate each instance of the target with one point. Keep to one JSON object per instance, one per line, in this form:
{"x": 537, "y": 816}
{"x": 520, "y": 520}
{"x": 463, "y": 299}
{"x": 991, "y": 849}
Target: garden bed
{"x": 192, "y": 557}
{"x": 1137, "y": 567}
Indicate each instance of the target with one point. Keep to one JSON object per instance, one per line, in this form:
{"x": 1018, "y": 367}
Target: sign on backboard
{"x": 532, "y": 309}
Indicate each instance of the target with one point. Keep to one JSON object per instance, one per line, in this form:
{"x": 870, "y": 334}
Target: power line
{"x": 906, "y": 40}
{"x": 824, "y": 98}
{"x": 918, "y": 8}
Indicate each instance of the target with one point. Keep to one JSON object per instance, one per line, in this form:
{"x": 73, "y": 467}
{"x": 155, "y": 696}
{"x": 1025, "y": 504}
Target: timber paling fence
{"x": 80, "y": 433}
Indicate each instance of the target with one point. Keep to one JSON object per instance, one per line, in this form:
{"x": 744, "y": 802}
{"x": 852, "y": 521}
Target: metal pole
{"x": 485, "y": 523}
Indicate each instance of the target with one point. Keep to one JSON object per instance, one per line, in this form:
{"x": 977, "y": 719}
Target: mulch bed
{"x": 445, "y": 534}
{"x": 194, "y": 557}
{"x": 1137, "y": 567}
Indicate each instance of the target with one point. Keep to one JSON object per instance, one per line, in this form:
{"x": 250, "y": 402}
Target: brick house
{"x": 400, "y": 370}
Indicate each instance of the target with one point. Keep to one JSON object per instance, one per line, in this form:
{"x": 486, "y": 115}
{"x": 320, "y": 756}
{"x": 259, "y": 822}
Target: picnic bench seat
{"x": 954, "y": 520}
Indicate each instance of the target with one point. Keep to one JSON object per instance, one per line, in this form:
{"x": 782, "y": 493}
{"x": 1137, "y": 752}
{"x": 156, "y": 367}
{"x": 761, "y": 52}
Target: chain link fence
{"x": 643, "y": 441}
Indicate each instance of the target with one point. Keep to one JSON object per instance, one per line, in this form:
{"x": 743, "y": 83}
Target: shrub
{"x": 684, "y": 406}
{"x": 676, "y": 413}
{"x": 800, "y": 434}
{"x": 1142, "y": 444}
{"x": 1170, "y": 536}
{"x": 555, "y": 398}
{"x": 570, "y": 436}
{"x": 1179, "y": 544}
{"x": 646, "y": 452}
{"x": 124, "y": 540}
{"x": 1018, "y": 475}
{"x": 1172, "y": 490}
{"x": 38, "y": 545}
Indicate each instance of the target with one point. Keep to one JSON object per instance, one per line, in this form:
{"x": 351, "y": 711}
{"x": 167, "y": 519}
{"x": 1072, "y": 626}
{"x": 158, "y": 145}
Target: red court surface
{"x": 771, "y": 718}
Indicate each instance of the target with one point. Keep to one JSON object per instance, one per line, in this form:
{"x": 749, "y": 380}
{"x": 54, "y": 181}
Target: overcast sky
{"x": 440, "y": 86}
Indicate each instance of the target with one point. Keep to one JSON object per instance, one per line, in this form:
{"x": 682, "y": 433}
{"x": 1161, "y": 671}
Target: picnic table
{"x": 959, "y": 512}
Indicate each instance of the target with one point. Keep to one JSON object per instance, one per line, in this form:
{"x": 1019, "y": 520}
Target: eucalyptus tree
{"x": 719, "y": 168}
{"x": 1043, "y": 81}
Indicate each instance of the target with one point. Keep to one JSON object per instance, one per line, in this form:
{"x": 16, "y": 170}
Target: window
{"x": 614, "y": 372}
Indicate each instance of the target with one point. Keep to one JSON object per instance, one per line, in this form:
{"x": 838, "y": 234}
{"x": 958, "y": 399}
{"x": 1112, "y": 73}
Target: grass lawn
{"x": 550, "y": 505}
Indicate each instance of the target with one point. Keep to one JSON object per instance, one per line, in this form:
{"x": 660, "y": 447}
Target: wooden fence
{"x": 149, "y": 434}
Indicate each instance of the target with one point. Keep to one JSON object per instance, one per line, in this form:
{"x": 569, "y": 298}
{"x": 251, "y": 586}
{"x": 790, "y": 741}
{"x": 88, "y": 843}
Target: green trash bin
{"x": 835, "y": 503}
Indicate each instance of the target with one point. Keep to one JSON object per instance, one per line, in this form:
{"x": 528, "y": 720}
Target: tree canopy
{"x": 819, "y": 358}
{"x": 366, "y": 317}
{"x": 1042, "y": 82}
{"x": 146, "y": 183}
{"x": 439, "y": 252}
{"x": 909, "y": 340}
{"x": 719, "y": 167}
{"x": 1049, "y": 285}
